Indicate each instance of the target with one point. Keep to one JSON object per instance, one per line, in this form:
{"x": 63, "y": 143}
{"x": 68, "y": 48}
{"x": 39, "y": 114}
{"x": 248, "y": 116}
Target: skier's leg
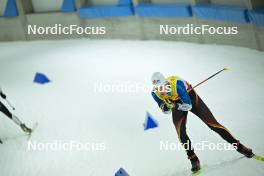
{"x": 179, "y": 119}
{"x": 203, "y": 112}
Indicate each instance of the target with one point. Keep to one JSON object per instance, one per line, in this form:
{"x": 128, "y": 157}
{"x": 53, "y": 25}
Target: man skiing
{"x": 4, "y": 110}
{"x": 171, "y": 94}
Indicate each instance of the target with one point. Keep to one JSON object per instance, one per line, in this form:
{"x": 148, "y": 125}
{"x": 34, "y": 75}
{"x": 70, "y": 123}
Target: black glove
{"x": 2, "y": 95}
{"x": 169, "y": 104}
{"x": 164, "y": 107}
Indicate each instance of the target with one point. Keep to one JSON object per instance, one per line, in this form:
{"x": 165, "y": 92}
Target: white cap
{"x": 158, "y": 79}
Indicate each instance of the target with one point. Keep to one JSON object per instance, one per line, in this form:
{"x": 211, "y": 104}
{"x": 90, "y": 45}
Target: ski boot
{"x": 244, "y": 150}
{"x": 195, "y": 163}
{"x": 25, "y": 128}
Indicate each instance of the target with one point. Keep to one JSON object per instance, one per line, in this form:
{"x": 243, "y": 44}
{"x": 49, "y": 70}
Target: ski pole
{"x": 224, "y": 69}
{"x": 10, "y": 104}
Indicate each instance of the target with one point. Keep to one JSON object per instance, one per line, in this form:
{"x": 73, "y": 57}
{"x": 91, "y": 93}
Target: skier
{"x": 166, "y": 93}
{"x": 4, "y": 110}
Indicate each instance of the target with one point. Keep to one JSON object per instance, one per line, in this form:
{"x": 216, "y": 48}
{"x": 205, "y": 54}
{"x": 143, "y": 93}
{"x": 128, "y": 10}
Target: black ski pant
{"x": 200, "y": 109}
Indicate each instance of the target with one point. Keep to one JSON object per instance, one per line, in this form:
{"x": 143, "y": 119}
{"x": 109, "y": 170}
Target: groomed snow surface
{"x": 69, "y": 108}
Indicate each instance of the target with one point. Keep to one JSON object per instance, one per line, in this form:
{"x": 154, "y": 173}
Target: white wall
{"x": 257, "y": 3}
{"x": 239, "y": 3}
{"x": 46, "y": 5}
{"x": 2, "y": 7}
{"x": 170, "y": 1}
{"x": 102, "y": 2}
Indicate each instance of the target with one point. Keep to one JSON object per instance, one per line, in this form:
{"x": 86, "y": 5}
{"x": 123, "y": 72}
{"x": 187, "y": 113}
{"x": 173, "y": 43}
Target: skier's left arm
{"x": 186, "y": 104}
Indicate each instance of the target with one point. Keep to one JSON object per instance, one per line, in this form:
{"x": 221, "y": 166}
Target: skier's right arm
{"x": 165, "y": 109}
